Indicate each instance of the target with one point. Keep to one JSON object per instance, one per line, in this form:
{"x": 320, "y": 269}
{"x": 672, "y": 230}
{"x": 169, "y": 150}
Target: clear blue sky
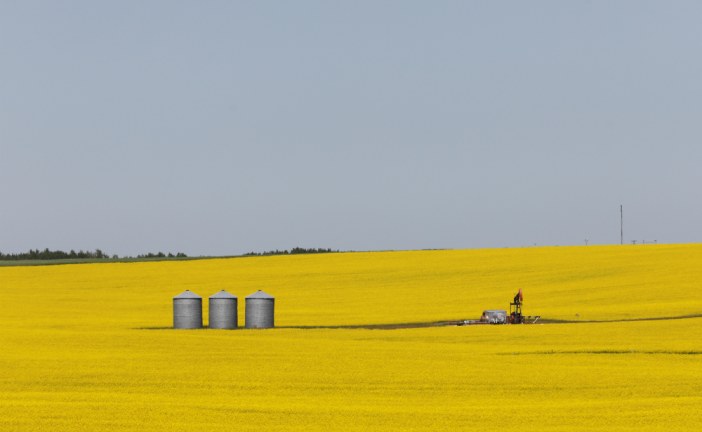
{"x": 220, "y": 127}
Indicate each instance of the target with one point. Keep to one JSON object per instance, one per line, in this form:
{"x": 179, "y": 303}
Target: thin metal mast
{"x": 621, "y": 223}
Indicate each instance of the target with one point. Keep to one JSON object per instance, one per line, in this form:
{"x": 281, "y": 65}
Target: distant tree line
{"x": 162, "y": 255}
{"x": 46, "y": 254}
{"x": 293, "y": 251}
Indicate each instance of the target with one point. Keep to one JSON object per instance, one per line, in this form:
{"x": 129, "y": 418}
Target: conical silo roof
{"x": 187, "y": 294}
{"x": 223, "y": 295}
{"x": 260, "y": 295}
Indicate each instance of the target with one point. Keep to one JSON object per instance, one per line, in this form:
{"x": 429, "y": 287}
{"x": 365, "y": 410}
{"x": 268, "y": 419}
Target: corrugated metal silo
{"x": 223, "y": 313}
{"x": 259, "y": 310}
{"x": 187, "y": 310}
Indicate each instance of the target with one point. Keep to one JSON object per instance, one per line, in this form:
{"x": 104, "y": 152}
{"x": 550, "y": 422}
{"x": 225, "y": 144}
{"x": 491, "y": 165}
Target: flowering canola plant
{"x": 88, "y": 347}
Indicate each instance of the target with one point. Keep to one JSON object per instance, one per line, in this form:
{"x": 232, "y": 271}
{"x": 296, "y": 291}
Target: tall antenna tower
{"x": 621, "y": 224}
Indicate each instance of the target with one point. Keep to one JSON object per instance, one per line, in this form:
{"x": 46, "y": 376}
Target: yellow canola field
{"x": 86, "y": 347}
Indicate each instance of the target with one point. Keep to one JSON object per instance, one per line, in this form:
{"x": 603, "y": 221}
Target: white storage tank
{"x": 223, "y": 313}
{"x": 187, "y": 311}
{"x": 260, "y": 309}
{"x": 494, "y": 316}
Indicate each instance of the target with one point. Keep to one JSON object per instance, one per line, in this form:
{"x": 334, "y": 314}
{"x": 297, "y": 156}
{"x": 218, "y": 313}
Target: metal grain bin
{"x": 223, "y": 313}
{"x": 187, "y": 311}
{"x": 259, "y": 310}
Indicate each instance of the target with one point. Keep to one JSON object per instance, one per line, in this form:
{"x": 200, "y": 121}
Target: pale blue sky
{"x": 220, "y": 127}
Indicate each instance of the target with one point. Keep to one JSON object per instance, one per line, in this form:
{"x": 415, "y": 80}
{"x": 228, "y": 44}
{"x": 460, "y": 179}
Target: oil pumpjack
{"x": 515, "y": 309}
{"x": 499, "y": 316}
